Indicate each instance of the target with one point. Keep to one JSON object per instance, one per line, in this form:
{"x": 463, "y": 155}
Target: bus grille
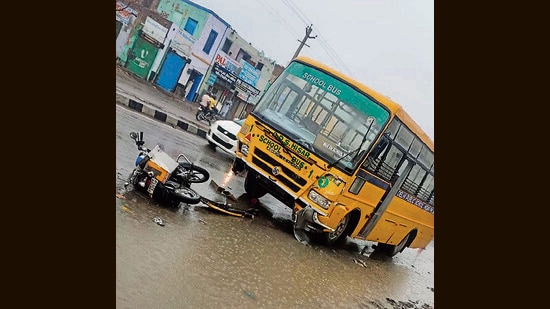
{"x": 264, "y": 156}
{"x": 285, "y": 171}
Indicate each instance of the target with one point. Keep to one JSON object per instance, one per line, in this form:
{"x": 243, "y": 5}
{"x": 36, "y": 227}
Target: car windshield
{"x": 239, "y": 121}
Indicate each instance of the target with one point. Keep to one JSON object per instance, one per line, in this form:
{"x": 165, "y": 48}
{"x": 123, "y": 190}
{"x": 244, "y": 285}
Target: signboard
{"x": 183, "y": 42}
{"x": 154, "y": 29}
{"x": 249, "y": 73}
{"x": 224, "y": 74}
{"x": 225, "y": 61}
{"x": 249, "y": 89}
{"x": 211, "y": 79}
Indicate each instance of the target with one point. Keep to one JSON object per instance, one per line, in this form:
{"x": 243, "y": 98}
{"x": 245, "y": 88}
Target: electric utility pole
{"x": 303, "y": 41}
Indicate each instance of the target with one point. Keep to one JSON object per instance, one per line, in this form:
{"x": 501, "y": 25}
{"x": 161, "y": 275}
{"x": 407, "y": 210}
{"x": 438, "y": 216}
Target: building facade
{"x": 188, "y": 49}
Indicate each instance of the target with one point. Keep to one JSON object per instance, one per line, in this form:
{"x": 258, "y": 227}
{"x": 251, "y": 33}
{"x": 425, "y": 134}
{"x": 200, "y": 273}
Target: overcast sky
{"x": 387, "y": 45}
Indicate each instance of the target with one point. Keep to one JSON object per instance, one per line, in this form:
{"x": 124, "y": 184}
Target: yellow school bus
{"x": 347, "y": 160}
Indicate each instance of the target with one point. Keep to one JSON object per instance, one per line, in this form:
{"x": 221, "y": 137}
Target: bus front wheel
{"x": 338, "y": 236}
{"x": 252, "y": 186}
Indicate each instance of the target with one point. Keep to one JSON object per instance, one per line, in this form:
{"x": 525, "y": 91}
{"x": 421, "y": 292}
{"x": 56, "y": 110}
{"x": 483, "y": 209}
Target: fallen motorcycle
{"x": 204, "y": 114}
{"x": 163, "y": 178}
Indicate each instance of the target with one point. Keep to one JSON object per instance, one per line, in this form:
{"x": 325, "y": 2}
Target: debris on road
{"x": 360, "y": 262}
{"x": 126, "y": 209}
{"x": 158, "y": 221}
{"x": 227, "y": 209}
{"x": 120, "y": 196}
{"x": 223, "y": 191}
{"x": 249, "y": 294}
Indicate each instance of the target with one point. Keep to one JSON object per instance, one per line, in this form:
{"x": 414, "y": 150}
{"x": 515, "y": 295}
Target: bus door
{"x": 386, "y": 199}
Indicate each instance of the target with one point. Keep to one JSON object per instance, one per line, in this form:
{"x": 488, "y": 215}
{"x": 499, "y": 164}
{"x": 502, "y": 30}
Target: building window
{"x": 226, "y": 45}
{"x": 259, "y": 66}
{"x": 190, "y": 26}
{"x": 242, "y": 55}
{"x": 211, "y": 38}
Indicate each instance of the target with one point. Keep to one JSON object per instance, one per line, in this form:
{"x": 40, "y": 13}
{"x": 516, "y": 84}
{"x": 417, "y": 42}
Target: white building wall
{"x": 211, "y": 24}
{"x": 255, "y": 55}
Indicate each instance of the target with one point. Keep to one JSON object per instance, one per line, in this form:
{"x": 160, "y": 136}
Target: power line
{"x": 297, "y": 11}
{"x": 275, "y": 12}
{"x": 330, "y": 51}
{"x": 326, "y": 47}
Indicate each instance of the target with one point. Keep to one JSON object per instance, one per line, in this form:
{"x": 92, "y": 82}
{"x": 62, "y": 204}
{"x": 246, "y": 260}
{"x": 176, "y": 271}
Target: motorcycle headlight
{"x": 318, "y": 199}
{"x": 139, "y": 158}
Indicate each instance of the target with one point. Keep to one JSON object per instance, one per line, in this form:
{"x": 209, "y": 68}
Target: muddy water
{"x": 204, "y": 259}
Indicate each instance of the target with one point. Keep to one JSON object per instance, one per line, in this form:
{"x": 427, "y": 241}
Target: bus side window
{"x": 386, "y": 164}
{"x": 413, "y": 179}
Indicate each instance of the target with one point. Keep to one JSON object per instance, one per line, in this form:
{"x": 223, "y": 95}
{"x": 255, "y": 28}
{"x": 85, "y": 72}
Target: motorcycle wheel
{"x": 134, "y": 178}
{"x": 187, "y": 195}
{"x": 197, "y": 173}
{"x": 200, "y": 115}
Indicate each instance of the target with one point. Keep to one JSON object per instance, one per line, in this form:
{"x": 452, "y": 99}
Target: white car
{"x": 223, "y": 134}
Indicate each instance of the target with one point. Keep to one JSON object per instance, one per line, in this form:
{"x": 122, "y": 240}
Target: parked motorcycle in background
{"x": 164, "y": 179}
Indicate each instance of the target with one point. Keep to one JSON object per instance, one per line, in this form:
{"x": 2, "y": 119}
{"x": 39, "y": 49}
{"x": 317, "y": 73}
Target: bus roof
{"x": 394, "y": 107}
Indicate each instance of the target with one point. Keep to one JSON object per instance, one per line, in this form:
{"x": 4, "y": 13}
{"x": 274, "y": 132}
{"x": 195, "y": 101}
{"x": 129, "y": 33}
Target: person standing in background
{"x": 225, "y": 108}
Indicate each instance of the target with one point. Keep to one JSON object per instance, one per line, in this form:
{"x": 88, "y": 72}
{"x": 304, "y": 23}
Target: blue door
{"x": 171, "y": 71}
{"x": 193, "y": 91}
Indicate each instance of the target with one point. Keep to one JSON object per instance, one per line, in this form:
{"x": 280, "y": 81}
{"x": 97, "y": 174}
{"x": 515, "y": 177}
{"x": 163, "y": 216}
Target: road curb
{"x": 159, "y": 115}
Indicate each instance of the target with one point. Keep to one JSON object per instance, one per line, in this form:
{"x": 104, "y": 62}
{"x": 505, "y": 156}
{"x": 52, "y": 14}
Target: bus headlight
{"x": 244, "y": 149}
{"x": 318, "y": 199}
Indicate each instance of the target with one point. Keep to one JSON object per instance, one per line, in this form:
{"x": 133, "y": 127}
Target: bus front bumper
{"x": 307, "y": 219}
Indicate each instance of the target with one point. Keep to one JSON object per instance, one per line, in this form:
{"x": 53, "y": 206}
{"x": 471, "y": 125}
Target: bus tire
{"x": 252, "y": 186}
{"x": 338, "y": 237}
{"x": 392, "y": 250}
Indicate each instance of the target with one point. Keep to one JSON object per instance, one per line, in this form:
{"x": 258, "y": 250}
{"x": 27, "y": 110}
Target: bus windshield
{"x": 323, "y": 114}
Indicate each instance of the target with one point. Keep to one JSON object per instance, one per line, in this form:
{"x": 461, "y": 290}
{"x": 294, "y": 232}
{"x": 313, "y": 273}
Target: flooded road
{"x": 202, "y": 258}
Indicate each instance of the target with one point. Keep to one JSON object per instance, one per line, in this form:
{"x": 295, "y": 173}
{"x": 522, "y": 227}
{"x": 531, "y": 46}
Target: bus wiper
{"x": 345, "y": 156}
{"x": 355, "y": 150}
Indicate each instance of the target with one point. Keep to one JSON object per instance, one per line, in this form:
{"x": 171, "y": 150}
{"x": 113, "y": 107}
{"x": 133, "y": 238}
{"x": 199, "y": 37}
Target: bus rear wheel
{"x": 393, "y": 250}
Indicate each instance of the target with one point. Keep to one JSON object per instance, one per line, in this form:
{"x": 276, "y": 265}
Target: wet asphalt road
{"x": 204, "y": 259}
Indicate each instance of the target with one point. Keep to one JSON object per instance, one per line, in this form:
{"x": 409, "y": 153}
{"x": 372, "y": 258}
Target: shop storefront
{"x": 230, "y": 81}
{"x": 144, "y": 51}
